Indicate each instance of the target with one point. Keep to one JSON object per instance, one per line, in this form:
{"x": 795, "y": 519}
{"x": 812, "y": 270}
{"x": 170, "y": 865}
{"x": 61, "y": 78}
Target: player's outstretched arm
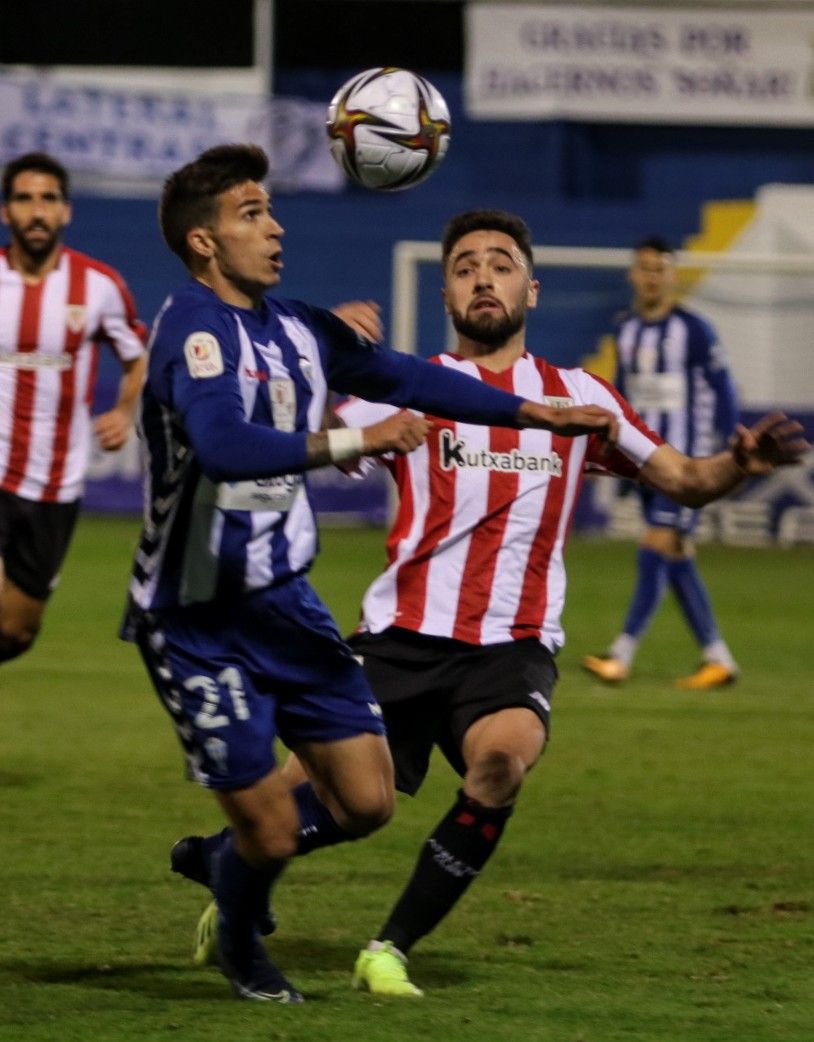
{"x": 438, "y": 390}
{"x": 570, "y": 421}
{"x": 774, "y": 441}
{"x": 399, "y": 433}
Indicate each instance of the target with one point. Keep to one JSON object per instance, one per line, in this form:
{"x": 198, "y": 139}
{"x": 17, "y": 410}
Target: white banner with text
{"x": 640, "y": 64}
{"x": 141, "y": 136}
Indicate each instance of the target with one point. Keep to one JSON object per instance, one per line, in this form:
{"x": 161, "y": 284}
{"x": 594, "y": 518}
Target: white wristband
{"x": 345, "y": 443}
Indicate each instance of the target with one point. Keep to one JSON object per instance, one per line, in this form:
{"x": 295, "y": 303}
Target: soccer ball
{"x": 388, "y": 128}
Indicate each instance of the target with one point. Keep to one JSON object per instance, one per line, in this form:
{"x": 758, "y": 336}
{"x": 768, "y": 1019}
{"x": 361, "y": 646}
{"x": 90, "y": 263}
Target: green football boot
{"x": 205, "y": 948}
{"x": 384, "y": 972}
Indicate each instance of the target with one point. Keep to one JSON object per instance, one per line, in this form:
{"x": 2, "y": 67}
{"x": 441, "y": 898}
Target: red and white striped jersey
{"x": 48, "y": 362}
{"x": 476, "y": 550}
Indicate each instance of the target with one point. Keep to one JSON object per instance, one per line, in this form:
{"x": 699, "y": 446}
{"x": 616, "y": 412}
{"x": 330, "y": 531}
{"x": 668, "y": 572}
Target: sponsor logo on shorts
{"x": 540, "y": 699}
{"x": 218, "y": 753}
{"x": 454, "y": 454}
{"x": 375, "y": 708}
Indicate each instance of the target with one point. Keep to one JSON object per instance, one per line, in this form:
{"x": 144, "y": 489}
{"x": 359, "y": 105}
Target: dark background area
{"x": 366, "y": 33}
{"x": 193, "y": 33}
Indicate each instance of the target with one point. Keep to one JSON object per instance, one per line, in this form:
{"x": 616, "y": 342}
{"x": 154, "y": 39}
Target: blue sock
{"x": 317, "y": 829}
{"x": 242, "y": 893}
{"x": 650, "y": 586}
{"x": 210, "y": 851}
{"x": 317, "y": 826}
{"x": 694, "y": 600}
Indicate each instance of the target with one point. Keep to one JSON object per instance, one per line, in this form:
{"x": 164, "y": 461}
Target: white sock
{"x": 718, "y": 652}
{"x": 624, "y": 648}
{"x": 376, "y": 946}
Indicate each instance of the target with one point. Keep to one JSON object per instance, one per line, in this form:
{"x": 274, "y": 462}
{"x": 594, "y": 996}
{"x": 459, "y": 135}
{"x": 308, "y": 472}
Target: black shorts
{"x": 34, "y": 539}
{"x": 432, "y": 689}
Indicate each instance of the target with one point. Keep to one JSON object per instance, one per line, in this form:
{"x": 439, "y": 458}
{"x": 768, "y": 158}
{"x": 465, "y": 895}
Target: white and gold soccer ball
{"x": 388, "y": 128}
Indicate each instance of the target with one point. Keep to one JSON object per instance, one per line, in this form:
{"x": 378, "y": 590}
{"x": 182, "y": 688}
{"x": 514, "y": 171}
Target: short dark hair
{"x": 491, "y": 221}
{"x": 189, "y": 196}
{"x": 654, "y": 242}
{"x": 41, "y": 163}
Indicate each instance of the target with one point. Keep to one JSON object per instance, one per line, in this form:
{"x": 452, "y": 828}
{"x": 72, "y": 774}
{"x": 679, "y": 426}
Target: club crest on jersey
{"x": 203, "y": 355}
{"x": 75, "y": 317}
{"x": 283, "y": 404}
{"x": 454, "y": 454}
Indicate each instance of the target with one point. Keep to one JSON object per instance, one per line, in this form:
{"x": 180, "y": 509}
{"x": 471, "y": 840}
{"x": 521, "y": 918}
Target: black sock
{"x": 455, "y": 852}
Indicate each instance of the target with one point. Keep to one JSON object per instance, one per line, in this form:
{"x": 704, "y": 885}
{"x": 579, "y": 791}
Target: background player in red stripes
{"x": 55, "y": 304}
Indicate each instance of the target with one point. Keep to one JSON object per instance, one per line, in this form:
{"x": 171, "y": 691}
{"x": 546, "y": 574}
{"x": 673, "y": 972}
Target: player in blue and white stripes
{"x": 672, "y": 369}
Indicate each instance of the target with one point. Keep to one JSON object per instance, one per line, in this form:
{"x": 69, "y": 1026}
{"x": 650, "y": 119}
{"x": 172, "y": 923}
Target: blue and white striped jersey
{"x": 674, "y": 374}
{"x": 230, "y": 398}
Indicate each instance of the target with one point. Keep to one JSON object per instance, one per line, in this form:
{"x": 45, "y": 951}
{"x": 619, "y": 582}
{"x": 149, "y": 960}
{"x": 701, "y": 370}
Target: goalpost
{"x": 410, "y": 254}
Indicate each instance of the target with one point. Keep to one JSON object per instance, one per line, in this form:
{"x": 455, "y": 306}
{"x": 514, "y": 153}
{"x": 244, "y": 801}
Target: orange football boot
{"x": 708, "y": 676}
{"x": 606, "y": 667}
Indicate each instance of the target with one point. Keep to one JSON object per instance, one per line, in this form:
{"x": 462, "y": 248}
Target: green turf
{"x": 655, "y": 884}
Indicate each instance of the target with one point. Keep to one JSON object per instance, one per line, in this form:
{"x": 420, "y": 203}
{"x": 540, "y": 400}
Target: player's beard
{"x": 493, "y": 331}
{"x": 37, "y": 251}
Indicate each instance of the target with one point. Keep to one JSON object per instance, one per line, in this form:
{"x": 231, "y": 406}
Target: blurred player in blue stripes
{"x": 238, "y": 645}
{"x": 672, "y": 369}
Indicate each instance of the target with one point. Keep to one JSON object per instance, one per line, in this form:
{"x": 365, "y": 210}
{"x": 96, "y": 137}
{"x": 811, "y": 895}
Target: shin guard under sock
{"x": 452, "y": 856}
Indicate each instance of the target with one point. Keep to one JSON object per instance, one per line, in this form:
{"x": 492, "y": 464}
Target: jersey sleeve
{"x": 194, "y": 362}
{"x": 356, "y": 412}
{"x": 119, "y": 324}
{"x": 637, "y": 442}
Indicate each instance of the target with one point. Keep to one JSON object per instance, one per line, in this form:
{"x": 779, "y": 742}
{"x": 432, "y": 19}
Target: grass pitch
{"x": 654, "y": 885}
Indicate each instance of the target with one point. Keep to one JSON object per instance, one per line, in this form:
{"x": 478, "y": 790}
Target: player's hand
{"x": 400, "y": 433}
{"x": 774, "y": 441}
{"x": 572, "y": 420}
{"x": 364, "y": 318}
{"x": 112, "y": 429}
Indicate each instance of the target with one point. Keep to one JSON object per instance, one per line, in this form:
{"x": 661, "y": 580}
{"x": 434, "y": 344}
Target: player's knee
{"x": 16, "y": 642}
{"x": 368, "y": 812}
{"x": 496, "y": 776}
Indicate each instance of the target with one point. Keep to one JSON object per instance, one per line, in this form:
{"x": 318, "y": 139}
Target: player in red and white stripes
{"x": 55, "y": 306}
{"x": 459, "y": 633}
